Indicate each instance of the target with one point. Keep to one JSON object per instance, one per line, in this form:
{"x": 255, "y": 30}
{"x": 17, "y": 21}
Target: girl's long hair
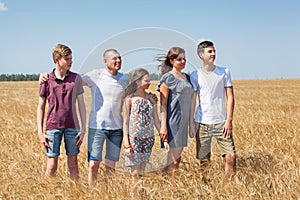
{"x": 138, "y": 74}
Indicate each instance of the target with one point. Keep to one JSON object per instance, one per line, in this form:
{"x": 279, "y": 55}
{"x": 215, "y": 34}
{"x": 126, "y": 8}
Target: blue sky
{"x": 257, "y": 39}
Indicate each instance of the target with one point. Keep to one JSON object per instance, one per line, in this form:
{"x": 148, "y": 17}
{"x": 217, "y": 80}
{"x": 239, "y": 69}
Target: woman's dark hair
{"x": 172, "y": 54}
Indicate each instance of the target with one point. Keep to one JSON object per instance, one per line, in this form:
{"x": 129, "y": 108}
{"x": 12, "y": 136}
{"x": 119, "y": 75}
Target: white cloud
{"x": 3, "y": 7}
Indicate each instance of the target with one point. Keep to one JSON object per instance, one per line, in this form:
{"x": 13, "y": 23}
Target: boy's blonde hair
{"x": 60, "y": 51}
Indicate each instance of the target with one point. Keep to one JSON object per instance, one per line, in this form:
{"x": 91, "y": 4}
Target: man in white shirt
{"x": 214, "y": 114}
{"x": 105, "y": 121}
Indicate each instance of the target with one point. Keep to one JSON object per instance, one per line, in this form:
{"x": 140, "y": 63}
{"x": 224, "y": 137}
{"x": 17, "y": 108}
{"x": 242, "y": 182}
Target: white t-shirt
{"x": 211, "y": 92}
{"x": 107, "y": 98}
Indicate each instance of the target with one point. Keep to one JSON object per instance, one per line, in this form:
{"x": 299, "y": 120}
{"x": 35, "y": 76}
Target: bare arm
{"x": 40, "y": 122}
{"x": 126, "y": 115}
{"x": 229, "y": 115}
{"x": 164, "y": 93}
{"x": 154, "y": 101}
{"x": 82, "y": 113}
{"x": 156, "y": 118}
{"x": 192, "y": 131}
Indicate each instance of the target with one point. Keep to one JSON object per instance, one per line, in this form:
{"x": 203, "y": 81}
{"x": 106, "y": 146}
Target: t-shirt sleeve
{"x": 90, "y": 77}
{"x": 87, "y": 79}
{"x": 194, "y": 80}
{"x": 79, "y": 86}
{"x": 43, "y": 92}
{"x": 228, "y": 82}
{"x": 124, "y": 80}
{"x": 169, "y": 80}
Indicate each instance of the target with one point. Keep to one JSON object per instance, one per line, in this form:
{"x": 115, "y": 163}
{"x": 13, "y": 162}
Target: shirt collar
{"x": 67, "y": 74}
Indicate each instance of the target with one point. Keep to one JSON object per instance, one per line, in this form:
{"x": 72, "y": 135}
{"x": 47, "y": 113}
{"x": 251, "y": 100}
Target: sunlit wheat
{"x": 267, "y": 138}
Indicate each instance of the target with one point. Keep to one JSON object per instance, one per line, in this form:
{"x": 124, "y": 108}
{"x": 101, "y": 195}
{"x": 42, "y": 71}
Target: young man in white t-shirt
{"x": 214, "y": 113}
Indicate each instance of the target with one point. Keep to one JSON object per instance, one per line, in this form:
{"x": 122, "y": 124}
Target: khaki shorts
{"x": 204, "y": 135}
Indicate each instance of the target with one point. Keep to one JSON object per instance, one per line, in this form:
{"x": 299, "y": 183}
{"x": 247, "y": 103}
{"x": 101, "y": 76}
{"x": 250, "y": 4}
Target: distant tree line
{"x": 19, "y": 77}
{"x": 35, "y": 77}
{"x": 153, "y": 76}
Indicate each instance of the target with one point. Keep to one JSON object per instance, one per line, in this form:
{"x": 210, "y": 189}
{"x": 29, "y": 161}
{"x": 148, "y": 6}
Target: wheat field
{"x": 266, "y": 131}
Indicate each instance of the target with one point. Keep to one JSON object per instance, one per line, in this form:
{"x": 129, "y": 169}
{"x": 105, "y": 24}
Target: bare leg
{"x": 204, "y": 167}
{"x": 73, "y": 167}
{"x": 93, "y": 171}
{"x": 51, "y": 166}
{"x": 177, "y": 162}
{"x": 173, "y": 161}
{"x": 142, "y": 167}
{"x": 142, "y": 191}
{"x": 110, "y": 167}
{"x": 230, "y": 165}
{"x": 134, "y": 171}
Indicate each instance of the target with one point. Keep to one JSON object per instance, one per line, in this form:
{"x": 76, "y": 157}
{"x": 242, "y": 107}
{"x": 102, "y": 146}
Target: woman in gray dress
{"x": 175, "y": 97}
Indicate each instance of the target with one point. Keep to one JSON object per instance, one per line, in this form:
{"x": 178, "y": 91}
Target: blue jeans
{"x": 56, "y": 138}
{"x": 96, "y": 138}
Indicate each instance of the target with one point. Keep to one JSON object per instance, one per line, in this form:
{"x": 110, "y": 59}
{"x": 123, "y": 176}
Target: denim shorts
{"x": 96, "y": 138}
{"x": 56, "y": 138}
{"x": 204, "y": 135}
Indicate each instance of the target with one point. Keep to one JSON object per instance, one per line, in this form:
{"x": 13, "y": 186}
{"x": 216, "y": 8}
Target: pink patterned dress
{"x": 141, "y": 130}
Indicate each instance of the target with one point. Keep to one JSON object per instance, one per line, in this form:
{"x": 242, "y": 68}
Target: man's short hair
{"x": 203, "y": 45}
{"x": 109, "y": 50}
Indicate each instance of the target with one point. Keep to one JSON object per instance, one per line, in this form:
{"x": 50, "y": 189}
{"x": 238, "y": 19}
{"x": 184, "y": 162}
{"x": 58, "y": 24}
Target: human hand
{"x": 43, "y": 77}
{"x": 163, "y": 134}
{"x": 44, "y": 140}
{"x": 128, "y": 151}
{"x": 227, "y": 130}
{"x": 79, "y": 138}
{"x": 154, "y": 98}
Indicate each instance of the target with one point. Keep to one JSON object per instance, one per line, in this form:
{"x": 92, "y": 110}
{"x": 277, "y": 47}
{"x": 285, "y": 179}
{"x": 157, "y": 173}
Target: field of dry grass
{"x": 267, "y": 138}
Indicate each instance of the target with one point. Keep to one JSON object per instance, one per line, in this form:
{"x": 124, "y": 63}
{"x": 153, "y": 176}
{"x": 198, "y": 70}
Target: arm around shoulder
{"x": 43, "y": 77}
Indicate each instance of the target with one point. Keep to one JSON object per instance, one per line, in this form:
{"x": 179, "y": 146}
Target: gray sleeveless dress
{"x": 178, "y": 108}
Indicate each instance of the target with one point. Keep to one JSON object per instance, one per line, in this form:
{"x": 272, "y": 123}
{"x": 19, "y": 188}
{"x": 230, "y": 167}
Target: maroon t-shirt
{"x": 61, "y": 96}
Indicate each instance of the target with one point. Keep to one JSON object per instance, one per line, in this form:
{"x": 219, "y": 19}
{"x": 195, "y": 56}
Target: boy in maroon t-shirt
{"x": 61, "y": 90}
